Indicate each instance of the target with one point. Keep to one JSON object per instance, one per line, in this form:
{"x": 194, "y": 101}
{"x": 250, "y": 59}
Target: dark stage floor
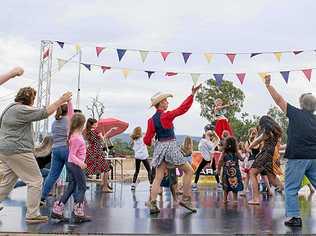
{"x": 123, "y": 212}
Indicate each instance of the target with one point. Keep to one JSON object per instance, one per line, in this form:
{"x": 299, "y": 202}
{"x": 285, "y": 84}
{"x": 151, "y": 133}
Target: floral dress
{"x": 95, "y": 160}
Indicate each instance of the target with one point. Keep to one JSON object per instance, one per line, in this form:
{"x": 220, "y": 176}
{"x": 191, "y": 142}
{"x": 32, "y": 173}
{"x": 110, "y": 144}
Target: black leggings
{"x": 199, "y": 169}
{"x": 214, "y": 170}
{"x": 147, "y": 166}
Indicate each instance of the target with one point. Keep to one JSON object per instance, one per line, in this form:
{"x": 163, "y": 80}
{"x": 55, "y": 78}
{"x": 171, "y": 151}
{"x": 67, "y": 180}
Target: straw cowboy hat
{"x": 45, "y": 148}
{"x": 158, "y": 97}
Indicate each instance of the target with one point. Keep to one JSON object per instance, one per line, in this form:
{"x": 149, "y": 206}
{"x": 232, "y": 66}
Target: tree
{"x": 229, "y": 94}
{"x": 96, "y": 108}
{"x": 281, "y": 119}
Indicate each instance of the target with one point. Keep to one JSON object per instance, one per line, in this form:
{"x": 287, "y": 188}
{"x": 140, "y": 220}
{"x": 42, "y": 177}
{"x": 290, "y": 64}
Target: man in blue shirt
{"x": 300, "y": 150}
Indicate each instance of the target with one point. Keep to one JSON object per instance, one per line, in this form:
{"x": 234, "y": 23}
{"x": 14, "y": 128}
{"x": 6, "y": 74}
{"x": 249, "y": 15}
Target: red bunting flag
{"x": 171, "y": 73}
{"x": 104, "y": 68}
{"x": 308, "y": 73}
{"x": 164, "y": 55}
{"x": 46, "y": 54}
{"x": 241, "y": 77}
{"x": 231, "y": 57}
{"x": 99, "y": 50}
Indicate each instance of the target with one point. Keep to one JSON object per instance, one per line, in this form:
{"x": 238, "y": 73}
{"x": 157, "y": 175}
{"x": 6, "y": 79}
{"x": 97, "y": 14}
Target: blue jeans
{"x": 294, "y": 174}
{"x": 59, "y": 159}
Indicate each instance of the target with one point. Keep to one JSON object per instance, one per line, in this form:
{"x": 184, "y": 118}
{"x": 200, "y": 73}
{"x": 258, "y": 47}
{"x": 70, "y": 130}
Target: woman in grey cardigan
{"x": 16, "y": 148}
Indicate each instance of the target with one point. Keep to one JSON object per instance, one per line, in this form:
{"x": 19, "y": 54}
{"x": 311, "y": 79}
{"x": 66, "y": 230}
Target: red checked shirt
{"x": 166, "y": 119}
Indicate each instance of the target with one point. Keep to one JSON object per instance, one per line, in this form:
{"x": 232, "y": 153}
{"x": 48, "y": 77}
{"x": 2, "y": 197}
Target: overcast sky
{"x": 194, "y": 26}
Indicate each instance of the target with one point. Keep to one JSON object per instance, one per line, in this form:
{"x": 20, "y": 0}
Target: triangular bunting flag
{"x": 262, "y": 75}
{"x": 278, "y": 55}
{"x": 186, "y": 56}
{"x": 219, "y": 79}
{"x": 208, "y": 56}
{"x": 308, "y": 73}
{"x": 195, "y": 77}
{"x": 61, "y": 63}
{"x": 149, "y": 73}
{"x": 241, "y": 77}
{"x": 125, "y": 72}
{"x": 61, "y": 44}
{"x": 143, "y": 55}
{"x": 231, "y": 57}
{"x": 297, "y": 52}
{"x": 46, "y": 54}
{"x": 171, "y": 73}
{"x": 105, "y": 68}
{"x": 120, "y": 53}
{"x": 255, "y": 54}
{"x": 77, "y": 47}
{"x": 88, "y": 66}
{"x": 99, "y": 50}
{"x": 285, "y": 75}
{"x": 164, "y": 55}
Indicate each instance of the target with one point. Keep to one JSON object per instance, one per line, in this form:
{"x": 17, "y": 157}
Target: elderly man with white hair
{"x": 300, "y": 150}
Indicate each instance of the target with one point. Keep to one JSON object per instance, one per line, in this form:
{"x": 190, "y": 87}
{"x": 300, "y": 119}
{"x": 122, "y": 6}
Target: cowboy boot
{"x": 186, "y": 202}
{"x": 79, "y": 213}
{"x": 58, "y": 210}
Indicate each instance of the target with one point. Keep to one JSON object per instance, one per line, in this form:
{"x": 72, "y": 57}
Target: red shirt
{"x": 166, "y": 119}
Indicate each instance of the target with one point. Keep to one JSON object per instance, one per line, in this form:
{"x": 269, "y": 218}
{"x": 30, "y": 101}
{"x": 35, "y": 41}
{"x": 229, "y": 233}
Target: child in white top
{"x": 140, "y": 154}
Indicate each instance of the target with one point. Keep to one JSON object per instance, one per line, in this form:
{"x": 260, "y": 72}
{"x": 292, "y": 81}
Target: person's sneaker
{"x": 294, "y": 222}
{"x": 58, "y": 210}
{"x": 1, "y": 207}
{"x": 153, "y": 207}
{"x": 194, "y": 187}
{"x": 43, "y": 203}
{"x": 133, "y": 186}
{"x": 186, "y": 202}
{"x": 36, "y": 219}
{"x": 79, "y": 214}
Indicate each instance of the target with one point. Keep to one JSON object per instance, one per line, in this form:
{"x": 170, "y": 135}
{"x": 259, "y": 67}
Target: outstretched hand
{"x": 195, "y": 89}
{"x": 267, "y": 80}
{"x": 17, "y": 71}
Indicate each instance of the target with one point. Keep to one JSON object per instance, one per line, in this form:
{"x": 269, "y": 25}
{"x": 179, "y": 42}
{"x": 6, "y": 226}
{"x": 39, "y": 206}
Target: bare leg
{"x": 160, "y": 170}
{"x": 255, "y": 191}
{"x": 187, "y": 178}
{"x": 225, "y": 197}
{"x": 105, "y": 183}
{"x": 267, "y": 183}
{"x": 275, "y": 181}
{"x": 235, "y": 197}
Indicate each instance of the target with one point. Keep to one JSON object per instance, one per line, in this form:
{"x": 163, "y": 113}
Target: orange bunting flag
{"x": 241, "y": 77}
{"x": 208, "y": 56}
{"x": 165, "y": 55}
{"x": 262, "y": 75}
{"x": 308, "y": 73}
{"x": 99, "y": 50}
{"x": 125, "y": 72}
{"x": 231, "y": 57}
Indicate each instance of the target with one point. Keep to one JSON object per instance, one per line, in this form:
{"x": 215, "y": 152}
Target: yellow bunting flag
{"x": 143, "y": 55}
{"x": 208, "y": 56}
{"x": 77, "y": 47}
{"x": 61, "y": 63}
{"x": 278, "y": 55}
{"x": 262, "y": 75}
{"x": 125, "y": 72}
{"x": 195, "y": 78}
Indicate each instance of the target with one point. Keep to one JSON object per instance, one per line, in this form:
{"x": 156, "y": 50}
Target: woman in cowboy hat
{"x": 166, "y": 151}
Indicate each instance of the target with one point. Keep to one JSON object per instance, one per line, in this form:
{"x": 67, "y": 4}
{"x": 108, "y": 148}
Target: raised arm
{"x": 257, "y": 141}
{"x": 70, "y": 112}
{"x": 54, "y": 106}
{"x": 17, "y": 71}
{"x": 278, "y": 99}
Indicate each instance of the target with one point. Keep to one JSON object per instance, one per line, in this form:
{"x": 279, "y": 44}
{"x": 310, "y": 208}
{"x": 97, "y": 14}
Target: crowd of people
{"x": 77, "y": 145}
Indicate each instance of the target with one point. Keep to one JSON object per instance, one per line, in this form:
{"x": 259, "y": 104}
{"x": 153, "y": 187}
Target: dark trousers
{"x": 147, "y": 166}
{"x": 77, "y": 184}
{"x": 214, "y": 170}
{"x": 199, "y": 169}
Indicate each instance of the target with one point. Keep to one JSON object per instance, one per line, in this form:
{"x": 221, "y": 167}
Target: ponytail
{"x": 61, "y": 111}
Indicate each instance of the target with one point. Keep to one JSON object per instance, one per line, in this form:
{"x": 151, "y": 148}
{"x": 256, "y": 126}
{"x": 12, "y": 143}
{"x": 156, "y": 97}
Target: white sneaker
{"x": 133, "y": 186}
{"x": 194, "y": 187}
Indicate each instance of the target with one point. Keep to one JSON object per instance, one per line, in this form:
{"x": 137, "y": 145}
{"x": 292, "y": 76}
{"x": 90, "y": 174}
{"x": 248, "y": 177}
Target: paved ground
{"x": 123, "y": 212}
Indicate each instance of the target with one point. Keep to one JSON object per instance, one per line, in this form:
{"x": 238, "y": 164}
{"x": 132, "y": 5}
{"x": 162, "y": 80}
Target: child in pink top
{"x": 75, "y": 166}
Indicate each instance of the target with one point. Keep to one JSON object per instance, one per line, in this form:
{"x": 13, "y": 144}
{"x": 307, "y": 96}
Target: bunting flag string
{"x": 186, "y": 55}
{"x": 219, "y": 77}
